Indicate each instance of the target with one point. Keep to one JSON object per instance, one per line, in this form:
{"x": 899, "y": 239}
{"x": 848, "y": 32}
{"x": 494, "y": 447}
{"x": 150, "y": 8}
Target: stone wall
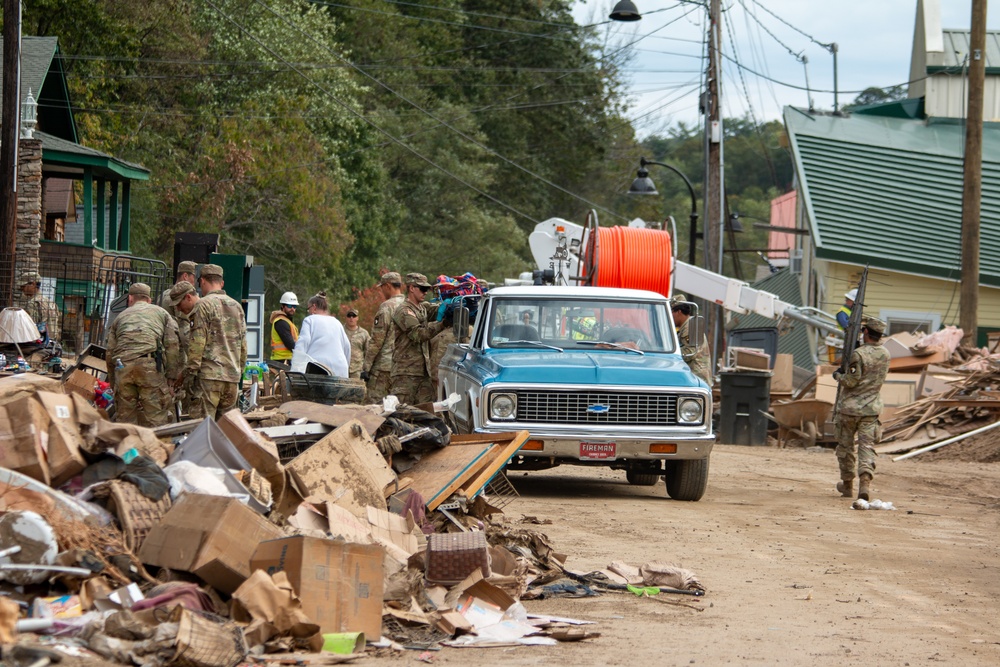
{"x": 29, "y": 206}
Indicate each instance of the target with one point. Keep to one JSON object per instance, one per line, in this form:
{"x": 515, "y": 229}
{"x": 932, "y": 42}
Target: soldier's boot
{"x": 864, "y": 484}
{"x": 846, "y": 488}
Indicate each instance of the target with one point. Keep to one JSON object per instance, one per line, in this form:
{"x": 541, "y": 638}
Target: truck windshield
{"x": 580, "y": 323}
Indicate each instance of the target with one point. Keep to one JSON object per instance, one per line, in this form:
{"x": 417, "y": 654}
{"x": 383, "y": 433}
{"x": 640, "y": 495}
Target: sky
{"x": 874, "y": 39}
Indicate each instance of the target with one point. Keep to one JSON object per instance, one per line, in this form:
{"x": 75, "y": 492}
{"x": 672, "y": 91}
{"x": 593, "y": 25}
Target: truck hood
{"x": 605, "y": 367}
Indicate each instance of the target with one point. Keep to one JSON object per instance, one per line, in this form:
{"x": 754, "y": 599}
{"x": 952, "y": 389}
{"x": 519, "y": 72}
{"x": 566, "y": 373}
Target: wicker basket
{"x": 136, "y": 513}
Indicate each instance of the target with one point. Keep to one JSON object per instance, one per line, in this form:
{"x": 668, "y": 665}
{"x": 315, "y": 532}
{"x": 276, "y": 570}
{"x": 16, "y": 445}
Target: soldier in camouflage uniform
{"x": 38, "y": 307}
{"x": 859, "y": 409}
{"x": 185, "y": 274}
{"x": 699, "y": 358}
{"x": 359, "y": 344}
{"x": 378, "y": 358}
{"x": 411, "y": 357}
{"x": 183, "y": 297}
{"x": 217, "y": 351}
{"x": 144, "y": 338}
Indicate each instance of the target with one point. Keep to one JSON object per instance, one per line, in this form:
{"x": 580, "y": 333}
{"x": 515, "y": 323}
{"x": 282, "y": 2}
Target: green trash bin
{"x": 746, "y": 398}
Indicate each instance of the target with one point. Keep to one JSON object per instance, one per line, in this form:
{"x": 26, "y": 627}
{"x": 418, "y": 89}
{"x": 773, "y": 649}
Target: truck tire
{"x": 639, "y": 478}
{"x": 687, "y": 480}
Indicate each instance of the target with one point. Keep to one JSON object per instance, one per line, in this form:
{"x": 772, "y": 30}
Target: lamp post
{"x": 643, "y": 185}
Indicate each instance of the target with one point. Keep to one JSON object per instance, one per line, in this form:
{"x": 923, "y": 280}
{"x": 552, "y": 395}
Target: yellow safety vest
{"x": 278, "y": 350}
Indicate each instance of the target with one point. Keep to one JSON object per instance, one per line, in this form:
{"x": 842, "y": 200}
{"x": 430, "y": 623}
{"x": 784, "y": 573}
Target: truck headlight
{"x": 503, "y": 406}
{"x": 690, "y": 411}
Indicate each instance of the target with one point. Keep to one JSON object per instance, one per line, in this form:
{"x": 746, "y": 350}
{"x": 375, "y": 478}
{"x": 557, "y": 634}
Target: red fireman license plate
{"x": 597, "y": 451}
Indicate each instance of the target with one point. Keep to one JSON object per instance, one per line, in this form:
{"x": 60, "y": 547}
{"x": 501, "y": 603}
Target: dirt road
{"x": 794, "y": 576}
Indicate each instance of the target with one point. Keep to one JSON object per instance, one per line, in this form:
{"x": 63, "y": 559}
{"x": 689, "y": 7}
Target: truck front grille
{"x": 626, "y": 408}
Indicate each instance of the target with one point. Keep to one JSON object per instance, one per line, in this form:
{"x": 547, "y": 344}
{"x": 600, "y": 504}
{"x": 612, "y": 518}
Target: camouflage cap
{"x": 677, "y": 298}
{"x": 139, "y": 289}
{"x": 352, "y": 313}
{"x": 179, "y": 291}
{"x": 187, "y": 267}
{"x": 418, "y": 279}
{"x": 30, "y": 277}
{"x": 390, "y": 278}
{"x": 211, "y": 271}
{"x": 875, "y": 325}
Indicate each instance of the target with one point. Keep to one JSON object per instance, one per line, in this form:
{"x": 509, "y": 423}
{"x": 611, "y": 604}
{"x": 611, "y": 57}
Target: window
{"x": 898, "y": 321}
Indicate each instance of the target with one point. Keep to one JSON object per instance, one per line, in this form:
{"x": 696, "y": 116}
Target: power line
{"x": 798, "y": 30}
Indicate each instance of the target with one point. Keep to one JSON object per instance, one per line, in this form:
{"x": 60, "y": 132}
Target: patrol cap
{"x": 179, "y": 291}
{"x": 418, "y": 279}
{"x": 30, "y": 277}
{"x": 211, "y": 270}
{"x": 138, "y": 289}
{"x": 352, "y": 313}
{"x": 875, "y": 325}
{"x": 187, "y": 267}
{"x": 390, "y": 278}
{"x": 677, "y": 298}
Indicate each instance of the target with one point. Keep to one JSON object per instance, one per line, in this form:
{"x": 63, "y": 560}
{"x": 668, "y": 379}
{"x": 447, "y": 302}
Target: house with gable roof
{"x": 882, "y": 186}
{"x": 74, "y": 207}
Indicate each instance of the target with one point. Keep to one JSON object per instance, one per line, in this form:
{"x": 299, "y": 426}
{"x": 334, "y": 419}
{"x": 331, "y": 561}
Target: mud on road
{"x": 794, "y": 576}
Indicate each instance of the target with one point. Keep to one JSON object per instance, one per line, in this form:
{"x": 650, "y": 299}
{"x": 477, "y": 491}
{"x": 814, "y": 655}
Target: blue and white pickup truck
{"x": 594, "y": 374}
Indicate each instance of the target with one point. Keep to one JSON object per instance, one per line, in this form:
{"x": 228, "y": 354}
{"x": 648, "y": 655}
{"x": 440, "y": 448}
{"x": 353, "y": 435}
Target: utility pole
{"x": 714, "y": 184}
{"x": 972, "y": 190}
{"x": 8, "y": 146}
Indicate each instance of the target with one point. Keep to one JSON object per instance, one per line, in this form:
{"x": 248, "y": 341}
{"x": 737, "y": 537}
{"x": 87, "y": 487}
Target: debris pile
{"x": 300, "y": 529}
{"x": 937, "y": 392}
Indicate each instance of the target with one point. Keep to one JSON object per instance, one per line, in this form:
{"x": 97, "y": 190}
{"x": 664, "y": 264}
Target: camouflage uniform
{"x": 359, "y": 348}
{"x": 217, "y": 353}
{"x": 698, "y": 359}
{"x": 859, "y": 409}
{"x": 411, "y": 357}
{"x": 142, "y": 392}
{"x": 182, "y": 320}
{"x": 42, "y": 310}
{"x": 378, "y": 358}
{"x": 439, "y": 346}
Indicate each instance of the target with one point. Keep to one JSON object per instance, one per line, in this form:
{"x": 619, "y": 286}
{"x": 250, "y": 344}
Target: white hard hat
{"x": 852, "y": 295}
{"x": 289, "y": 299}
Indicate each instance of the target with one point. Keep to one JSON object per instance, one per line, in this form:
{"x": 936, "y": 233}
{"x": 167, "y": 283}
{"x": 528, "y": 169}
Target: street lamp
{"x": 29, "y": 116}
{"x": 625, "y": 10}
{"x": 643, "y": 185}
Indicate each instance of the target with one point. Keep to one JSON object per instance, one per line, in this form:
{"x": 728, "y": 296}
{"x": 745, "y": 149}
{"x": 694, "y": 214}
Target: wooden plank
{"x": 438, "y": 473}
{"x": 499, "y": 461}
{"x": 968, "y": 403}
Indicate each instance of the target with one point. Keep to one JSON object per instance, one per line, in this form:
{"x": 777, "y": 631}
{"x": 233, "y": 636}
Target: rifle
{"x": 852, "y": 333}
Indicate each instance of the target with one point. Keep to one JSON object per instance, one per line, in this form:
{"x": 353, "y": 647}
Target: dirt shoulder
{"x": 793, "y": 575}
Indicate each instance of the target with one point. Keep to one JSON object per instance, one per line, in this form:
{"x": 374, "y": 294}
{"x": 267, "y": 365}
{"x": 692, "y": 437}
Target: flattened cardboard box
{"x": 81, "y": 383}
{"x": 65, "y": 459}
{"x": 210, "y": 536}
{"x": 24, "y": 437}
{"x": 339, "y": 583}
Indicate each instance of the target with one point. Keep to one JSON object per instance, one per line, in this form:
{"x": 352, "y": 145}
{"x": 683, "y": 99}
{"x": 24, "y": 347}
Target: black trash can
{"x": 746, "y": 398}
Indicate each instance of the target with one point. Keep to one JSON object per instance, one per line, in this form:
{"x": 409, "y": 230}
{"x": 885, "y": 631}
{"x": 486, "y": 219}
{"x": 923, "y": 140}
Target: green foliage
{"x": 334, "y": 140}
{"x": 876, "y": 95}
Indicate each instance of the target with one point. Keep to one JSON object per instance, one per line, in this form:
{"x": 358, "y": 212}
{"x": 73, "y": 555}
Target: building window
{"x": 901, "y": 320}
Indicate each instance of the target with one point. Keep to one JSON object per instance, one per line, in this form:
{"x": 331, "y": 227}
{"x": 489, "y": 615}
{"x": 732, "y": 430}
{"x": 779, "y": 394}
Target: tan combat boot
{"x": 865, "y": 481}
{"x": 846, "y": 488}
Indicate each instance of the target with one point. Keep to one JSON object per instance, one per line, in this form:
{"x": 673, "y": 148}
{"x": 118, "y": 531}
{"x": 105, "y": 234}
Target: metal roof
{"x": 58, "y": 152}
{"x": 956, "y": 50}
{"x": 889, "y": 191}
{"x": 795, "y": 340}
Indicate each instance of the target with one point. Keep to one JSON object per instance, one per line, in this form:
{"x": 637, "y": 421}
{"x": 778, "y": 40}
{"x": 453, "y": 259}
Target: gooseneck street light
{"x": 643, "y": 185}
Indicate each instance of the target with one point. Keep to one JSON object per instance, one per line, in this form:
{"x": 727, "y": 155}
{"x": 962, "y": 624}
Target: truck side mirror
{"x": 460, "y": 323}
{"x": 696, "y": 329}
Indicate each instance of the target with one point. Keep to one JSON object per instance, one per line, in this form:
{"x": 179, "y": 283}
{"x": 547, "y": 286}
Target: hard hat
{"x": 852, "y": 295}
{"x": 289, "y": 299}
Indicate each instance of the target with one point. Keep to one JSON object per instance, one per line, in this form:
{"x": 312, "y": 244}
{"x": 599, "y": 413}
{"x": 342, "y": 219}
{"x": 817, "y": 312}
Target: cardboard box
{"x": 339, "y": 583}
{"x": 749, "y": 357}
{"x": 210, "y": 536}
{"x": 81, "y": 383}
{"x": 781, "y": 376}
{"x": 65, "y": 441}
{"x": 24, "y": 435}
